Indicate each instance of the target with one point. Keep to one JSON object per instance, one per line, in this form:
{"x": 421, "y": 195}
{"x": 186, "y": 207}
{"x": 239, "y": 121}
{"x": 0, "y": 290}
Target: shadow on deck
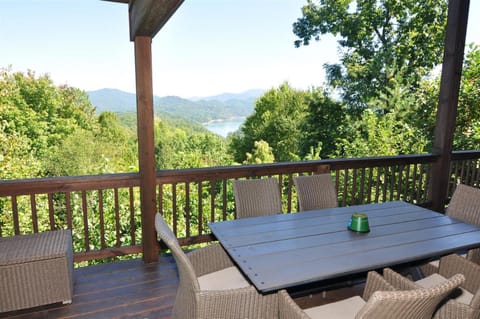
{"x": 132, "y": 289}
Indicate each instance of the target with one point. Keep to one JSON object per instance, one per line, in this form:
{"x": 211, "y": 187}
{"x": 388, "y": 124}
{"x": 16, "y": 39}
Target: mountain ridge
{"x": 201, "y": 110}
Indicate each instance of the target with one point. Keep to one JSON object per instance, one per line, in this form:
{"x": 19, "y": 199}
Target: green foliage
{"x": 467, "y": 134}
{"x": 177, "y": 147}
{"x": 276, "y": 120}
{"x": 324, "y": 125}
{"x": 380, "y": 135}
{"x": 378, "y": 40}
{"x": 262, "y": 153}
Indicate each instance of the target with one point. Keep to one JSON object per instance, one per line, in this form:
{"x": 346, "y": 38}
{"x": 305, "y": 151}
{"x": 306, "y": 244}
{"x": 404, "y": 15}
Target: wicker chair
{"x": 257, "y": 197}
{"x": 464, "y": 302}
{"x": 465, "y": 206}
{"x": 315, "y": 192}
{"x": 380, "y": 300}
{"x": 211, "y": 286}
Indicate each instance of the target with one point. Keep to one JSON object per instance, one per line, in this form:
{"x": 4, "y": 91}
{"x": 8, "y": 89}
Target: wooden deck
{"x": 131, "y": 289}
{"x": 124, "y": 289}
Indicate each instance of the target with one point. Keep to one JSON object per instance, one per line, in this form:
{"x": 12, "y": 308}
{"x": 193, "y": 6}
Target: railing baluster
{"x": 85, "y": 221}
{"x": 101, "y": 217}
{"x": 420, "y": 181}
{"x": 337, "y": 181}
{"x": 133, "y": 227}
{"x": 200, "y": 209}
{"x": 345, "y": 188}
{"x": 213, "y": 188}
{"x": 33, "y": 207}
{"x": 16, "y": 225}
{"x": 290, "y": 193}
{"x": 174, "y": 209}
{"x": 362, "y": 186}
{"x": 468, "y": 179}
{"x": 117, "y": 218}
{"x": 160, "y": 198}
{"x": 427, "y": 178}
{"x": 369, "y": 188}
{"x": 187, "y": 209}
{"x": 407, "y": 185}
{"x": 224, "y": 199}
{"x": 385, "y": 183}
{"x": 392, "y": 183}
{"x": 399, "y": 183}
{"x": 377, "y": 187}
{"x": 462, "y": 173}
{"x": 354, "y": 187}
{"x": 51, "y": 211}
{"x": 68, "y": 207}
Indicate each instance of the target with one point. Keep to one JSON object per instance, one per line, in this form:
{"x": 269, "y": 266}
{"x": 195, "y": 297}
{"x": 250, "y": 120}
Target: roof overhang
{"x": 147, "y": 17}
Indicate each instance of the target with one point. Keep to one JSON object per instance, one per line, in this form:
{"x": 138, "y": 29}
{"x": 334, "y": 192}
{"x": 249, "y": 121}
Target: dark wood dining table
{"x": 289, "y": 250}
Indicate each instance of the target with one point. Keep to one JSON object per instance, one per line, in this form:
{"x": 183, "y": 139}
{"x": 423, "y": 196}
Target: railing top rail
{"x": 89, "y": 182}
{"x": 464, "y": 155}
{"x": 67, "y": 183}
{"x": 218, "y": 173}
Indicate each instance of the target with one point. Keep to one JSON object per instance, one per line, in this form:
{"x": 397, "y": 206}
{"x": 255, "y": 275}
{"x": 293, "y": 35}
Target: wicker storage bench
{"x": 36, "y": 269}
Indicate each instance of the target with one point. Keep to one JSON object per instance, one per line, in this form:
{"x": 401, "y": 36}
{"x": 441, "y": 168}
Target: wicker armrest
{"x": 375, "y": 282}
{"x": 398, "y": 281}
{"x": 453, "y": 264}
{"x": 288, "y": 308}
{"x": 209, "y": 259}
{"x": 474, "y": 255}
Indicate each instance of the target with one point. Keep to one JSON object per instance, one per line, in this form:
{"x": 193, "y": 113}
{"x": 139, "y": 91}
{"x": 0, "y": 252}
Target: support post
{"x": 448, "y": 100}
{"x": 146, "y": 149}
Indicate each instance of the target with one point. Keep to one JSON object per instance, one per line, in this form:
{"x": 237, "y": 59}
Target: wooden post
{"x": 146, "y": 149}
{"x": 448, "y": 100}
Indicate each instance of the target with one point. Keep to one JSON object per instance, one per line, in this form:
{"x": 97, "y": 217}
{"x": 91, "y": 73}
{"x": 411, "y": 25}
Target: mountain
{"x": 250, "y": 94}
{"x": 200, "y": 110}
{"x": 113, "y": 100}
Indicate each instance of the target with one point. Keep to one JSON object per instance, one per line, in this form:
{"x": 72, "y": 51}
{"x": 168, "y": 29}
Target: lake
{"x": 224, "y": 127}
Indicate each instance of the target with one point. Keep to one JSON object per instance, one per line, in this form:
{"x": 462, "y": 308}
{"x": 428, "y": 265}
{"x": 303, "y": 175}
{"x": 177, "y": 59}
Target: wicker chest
{"x": 35, "y": 270}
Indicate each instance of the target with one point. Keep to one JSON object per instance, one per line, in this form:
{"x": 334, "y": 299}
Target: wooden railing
{"x": 104, "y": 211}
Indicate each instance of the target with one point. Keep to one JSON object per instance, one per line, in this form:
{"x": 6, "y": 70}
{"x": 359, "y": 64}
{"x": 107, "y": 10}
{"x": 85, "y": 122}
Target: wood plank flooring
{"x": 131, "y": 289}
{"x": 124, "y": 289}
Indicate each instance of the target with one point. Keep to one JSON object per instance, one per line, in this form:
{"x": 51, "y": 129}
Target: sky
{"x": 208, "y": 47}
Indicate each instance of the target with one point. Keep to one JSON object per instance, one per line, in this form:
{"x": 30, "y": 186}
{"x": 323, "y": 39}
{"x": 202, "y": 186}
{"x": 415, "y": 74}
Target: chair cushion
{"x": 343, "y": 309}
{"x": 461, "y": 295}
{"x": 228, "y": 278}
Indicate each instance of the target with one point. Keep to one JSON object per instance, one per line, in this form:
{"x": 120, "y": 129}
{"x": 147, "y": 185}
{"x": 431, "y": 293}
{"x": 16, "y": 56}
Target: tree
{"x": 324, "y": 125}
{"x": 380, "y": 135}
{"x": 178, "y": 146}
{"x": 104, "y": 148}
{"x": 49, "y": 130}
{"x": 467, "y": 133}
{"x": 276, "y": 119}
{"x": 378, "y": 39}
{"x": 262, "y": 153}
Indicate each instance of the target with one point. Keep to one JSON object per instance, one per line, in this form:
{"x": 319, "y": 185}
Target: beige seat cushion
{"x": 461, "y": 295}
{"x": 228, "y": 278}
{"x": 343, "y": 309}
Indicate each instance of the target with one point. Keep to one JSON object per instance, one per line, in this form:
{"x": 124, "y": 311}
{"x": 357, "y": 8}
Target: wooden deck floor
{"x": 125, "y": 289}
{"x": 131, "y": 289}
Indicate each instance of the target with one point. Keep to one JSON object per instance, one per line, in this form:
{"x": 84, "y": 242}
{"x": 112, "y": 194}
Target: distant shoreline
{"x": 223, "y": 120}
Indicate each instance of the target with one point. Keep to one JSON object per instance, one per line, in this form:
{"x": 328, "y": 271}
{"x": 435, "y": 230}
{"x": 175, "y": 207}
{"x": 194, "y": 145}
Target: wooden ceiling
{"x": 147, "y": 17}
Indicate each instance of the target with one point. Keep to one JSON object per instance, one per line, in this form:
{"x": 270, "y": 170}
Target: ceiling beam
{"x": 147, "y": 17}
